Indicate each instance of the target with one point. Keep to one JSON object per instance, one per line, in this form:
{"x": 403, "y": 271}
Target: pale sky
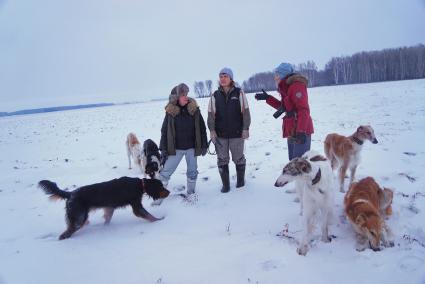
{"x": 86, "y": 51}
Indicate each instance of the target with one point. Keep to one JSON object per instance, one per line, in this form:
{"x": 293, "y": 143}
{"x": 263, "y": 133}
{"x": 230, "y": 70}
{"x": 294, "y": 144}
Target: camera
{"x": 279, "y": 112}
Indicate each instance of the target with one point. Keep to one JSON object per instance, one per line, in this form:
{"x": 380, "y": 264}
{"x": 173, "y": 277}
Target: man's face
{"x": 225, "y": 80}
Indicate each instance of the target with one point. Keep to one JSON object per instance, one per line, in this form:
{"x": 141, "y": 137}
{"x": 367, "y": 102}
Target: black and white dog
{"x": 151, "y": 158}
{"x": 108, "y": 195}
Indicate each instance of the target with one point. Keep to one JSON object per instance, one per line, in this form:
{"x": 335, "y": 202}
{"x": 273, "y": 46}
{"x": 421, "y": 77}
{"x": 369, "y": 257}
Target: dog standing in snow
{"x": 147, "y": 158}
{"x": 134, "y": 151}
{"x": 344, "y": 151}
{"x": 151, "y": 159}
{"x": 314, "y": 175}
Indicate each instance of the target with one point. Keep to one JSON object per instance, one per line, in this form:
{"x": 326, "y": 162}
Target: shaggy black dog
{"x": 151, "y": 158}
{"x": 108, "y": 195}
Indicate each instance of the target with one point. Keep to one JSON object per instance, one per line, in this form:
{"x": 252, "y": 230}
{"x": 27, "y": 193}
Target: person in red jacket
{"x": 297, "y": 124}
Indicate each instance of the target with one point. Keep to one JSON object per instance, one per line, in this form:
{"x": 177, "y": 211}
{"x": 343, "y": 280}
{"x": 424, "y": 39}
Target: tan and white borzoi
{"x": 344, "y": 152}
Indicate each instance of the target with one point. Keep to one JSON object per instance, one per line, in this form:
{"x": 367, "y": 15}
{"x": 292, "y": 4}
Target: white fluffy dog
{"x": 314, "y": 178}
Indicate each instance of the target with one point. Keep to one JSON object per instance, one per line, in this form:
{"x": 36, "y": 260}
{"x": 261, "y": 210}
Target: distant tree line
{"x": 202, "y": 89}
{"x": 364, "y": 67}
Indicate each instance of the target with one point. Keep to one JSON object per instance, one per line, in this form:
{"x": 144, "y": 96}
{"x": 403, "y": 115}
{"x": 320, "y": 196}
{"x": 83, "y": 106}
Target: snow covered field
{"x": 222, "y": 238}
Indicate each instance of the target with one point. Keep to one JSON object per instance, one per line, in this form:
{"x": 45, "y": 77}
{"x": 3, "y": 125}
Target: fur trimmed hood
{"x": 173, "y": 109}
{"x": 296, "y": 78}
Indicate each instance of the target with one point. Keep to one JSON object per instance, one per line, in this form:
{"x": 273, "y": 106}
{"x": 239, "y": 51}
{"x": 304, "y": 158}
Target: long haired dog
{"x": 367, "y": 206}
{"x": 314, "y": 174}
{"x": 134, "y": 151}
{"x": 108, "y": 195}
{"x": 344, "y": 152}
{"x": 151, "y": 158}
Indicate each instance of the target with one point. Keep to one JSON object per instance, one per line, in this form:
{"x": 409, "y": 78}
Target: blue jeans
{"x": 173, "y": 161}
{"x": 297, "y": 150}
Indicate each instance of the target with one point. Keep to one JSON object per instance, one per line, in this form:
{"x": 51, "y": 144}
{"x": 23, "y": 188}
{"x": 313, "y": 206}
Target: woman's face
{"x": 183, "y": 100}
{"x": 225, "y": 80}
{"x": 276, "y": 78}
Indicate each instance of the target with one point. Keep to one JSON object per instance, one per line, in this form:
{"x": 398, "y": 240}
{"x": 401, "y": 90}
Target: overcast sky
{"x": 85, "y": 51}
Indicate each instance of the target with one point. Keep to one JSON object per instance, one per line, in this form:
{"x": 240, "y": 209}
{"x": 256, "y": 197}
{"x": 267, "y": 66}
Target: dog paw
{"x": 360, "y": 247}
{"x": 302, "y": 250}
{"x": 389, "y": 244}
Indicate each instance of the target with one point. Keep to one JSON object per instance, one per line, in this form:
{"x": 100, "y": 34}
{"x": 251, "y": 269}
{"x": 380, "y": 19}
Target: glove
{"x": 213, "y": 136}
{"x": 204, "y": 151}
{"x": 262, "y": 96}
{"x": 164, "y": 157}
{"x": 245, "y": 134}
{"x": 300, "y": 138}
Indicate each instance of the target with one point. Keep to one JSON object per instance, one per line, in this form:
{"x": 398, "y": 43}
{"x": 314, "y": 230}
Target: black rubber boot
{"x": 224, "y": 174}
{"x": 240, "y": 174}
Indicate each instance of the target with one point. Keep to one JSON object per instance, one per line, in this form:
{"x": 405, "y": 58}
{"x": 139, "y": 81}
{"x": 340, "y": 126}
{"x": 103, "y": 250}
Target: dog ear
{"x": 318, "y": 158}
{"x": 305, "y": 166}
{"x": 149, "y": 188}
{"x": 361, "y": 219}
{"x": 385, "y": 198}
{"x": 360, "y": 128}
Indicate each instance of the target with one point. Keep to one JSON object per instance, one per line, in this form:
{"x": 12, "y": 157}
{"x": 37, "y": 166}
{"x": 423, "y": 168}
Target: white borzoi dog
{"x": 314, "y": 176}
{"x": 134, "y": 151}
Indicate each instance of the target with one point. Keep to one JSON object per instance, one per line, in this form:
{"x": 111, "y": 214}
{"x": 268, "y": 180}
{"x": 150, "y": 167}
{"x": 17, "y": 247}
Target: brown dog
{"x": 366, "y": 206}
{"x": 344, "y": 151}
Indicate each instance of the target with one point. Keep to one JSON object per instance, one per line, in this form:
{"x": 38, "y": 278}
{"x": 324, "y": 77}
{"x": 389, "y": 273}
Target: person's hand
{"x": 164, "y": 156}
{"x": 300, "y": 138}
{"x": 245, "y": 134}
{"x": 204, "y": 151}
{"x": 213, "y": 136}
{"x": 261, "y": 96}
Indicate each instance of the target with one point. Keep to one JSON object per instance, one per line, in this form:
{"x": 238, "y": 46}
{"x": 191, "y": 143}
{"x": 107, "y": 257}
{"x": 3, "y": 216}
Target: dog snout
{"x": 280, "y": 184}
{"x": 375, "y": 141}
{"x": 164, "y": 193}
{"x": 373, "y": 247}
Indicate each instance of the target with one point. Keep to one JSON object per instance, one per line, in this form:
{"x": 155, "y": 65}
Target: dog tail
{"x": 53, "y": 190}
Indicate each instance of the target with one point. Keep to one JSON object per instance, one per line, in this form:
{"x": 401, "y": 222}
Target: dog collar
{"x": 357, "y": 140}
{"x": 317, "y": 177}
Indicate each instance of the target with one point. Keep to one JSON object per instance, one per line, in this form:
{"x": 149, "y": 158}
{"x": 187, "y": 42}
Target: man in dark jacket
{"x": 229, "y": 120}
{"x": 183, "y": 134}
{"x": 297, "y": 124}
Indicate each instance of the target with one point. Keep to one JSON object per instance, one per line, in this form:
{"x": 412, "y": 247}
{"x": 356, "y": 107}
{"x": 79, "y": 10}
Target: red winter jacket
{"x": 293, "y": 91}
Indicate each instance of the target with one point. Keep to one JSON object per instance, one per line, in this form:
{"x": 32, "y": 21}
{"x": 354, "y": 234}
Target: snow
{"x": 221, "y": 238}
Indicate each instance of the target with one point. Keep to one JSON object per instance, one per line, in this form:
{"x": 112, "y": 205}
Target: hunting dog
{"x": 151, "y": 158}
{"x": 134, "y": 151}
{"x": 314, "y": 175}
{"x": 344, "y": 151}
{"x": 108, "y": 195}
{"x": 367, "y": 206}
{"x": 147, "y": 158}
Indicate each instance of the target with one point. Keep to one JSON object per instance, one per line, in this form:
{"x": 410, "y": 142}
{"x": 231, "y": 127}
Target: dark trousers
{"x": 297, "y": 150}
